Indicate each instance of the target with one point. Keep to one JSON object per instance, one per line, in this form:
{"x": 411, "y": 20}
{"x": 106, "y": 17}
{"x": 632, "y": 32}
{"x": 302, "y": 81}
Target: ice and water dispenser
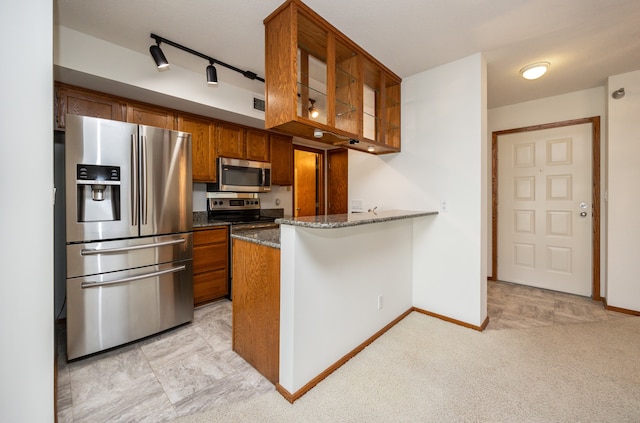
{"x": 98, "y": 190}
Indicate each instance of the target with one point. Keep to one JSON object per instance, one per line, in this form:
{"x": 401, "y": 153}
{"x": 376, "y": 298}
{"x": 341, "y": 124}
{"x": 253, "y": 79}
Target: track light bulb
{"x": 158, "y": 56}
{"x": 212, "y": 75}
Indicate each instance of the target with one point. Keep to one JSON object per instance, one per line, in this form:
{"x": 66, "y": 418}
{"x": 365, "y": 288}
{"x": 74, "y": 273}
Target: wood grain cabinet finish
{"x": 143, "y": 114}
{"x": 210, "y": 264}
{"x": 257, "y": 145}
{"x": 230, "y": 141}
{"x": 311, "y": 64}
{"x": 281, "y": 147}
{"x": 256, "y": 306}
{"x": 203, "y": 155}
{"x": 78, "y": 101}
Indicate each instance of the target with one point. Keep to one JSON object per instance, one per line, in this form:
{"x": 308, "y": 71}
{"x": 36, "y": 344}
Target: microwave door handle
{"x": 134, "y": 180}
{"x": 264, "y": 177}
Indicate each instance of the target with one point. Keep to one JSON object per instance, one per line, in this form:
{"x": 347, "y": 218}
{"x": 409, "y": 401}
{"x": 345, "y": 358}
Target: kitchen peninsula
{"x": 343, "y": 280}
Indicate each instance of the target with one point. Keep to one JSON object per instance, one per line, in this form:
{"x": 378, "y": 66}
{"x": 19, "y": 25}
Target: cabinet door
{"x": 257, "y": 145}
{"x": 281, "y": 160}
{"x": 203, "y": 160}
{"x": 77, "y": 101}
{"x": 210, "y": 264}
{"x": 337, "y": 189}
{"x": 230, "y": 141}
{"x": 152, "y": 116}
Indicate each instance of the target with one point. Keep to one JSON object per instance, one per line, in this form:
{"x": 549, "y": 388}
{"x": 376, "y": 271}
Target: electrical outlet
{"x": 356, "y": 205}
{"x": 380, "y": 302}
{"x": 443, "y": 206}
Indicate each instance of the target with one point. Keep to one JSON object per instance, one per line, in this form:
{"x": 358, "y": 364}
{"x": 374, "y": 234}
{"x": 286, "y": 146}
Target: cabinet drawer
{"x": 210, "y": 257}
{"x": 210, "y": 286}
{"x": 210, "y": 236}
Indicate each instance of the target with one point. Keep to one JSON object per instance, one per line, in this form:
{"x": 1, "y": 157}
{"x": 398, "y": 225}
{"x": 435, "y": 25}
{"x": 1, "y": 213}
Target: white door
{"x": 544, "y": 208}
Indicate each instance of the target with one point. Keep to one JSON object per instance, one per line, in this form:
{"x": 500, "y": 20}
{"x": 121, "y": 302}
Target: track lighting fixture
{"x": 212, "y": 74}
{"x": 313, "y": 111}
{"x": 158, "y": 56}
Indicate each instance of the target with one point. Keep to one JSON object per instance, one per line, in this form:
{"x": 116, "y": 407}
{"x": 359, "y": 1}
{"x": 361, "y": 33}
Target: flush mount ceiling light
{"x": 534, "y": 70}
{"x": 313, "y": 111}
{"x": 212, "y": 74}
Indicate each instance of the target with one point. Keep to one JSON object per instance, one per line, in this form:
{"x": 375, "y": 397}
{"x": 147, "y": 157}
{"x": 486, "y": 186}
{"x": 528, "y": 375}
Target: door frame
{"x": 595, "y": 200}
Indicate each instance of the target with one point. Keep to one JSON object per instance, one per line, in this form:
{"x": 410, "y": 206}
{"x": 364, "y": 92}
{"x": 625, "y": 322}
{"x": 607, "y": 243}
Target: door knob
{"x": 583, "y": 214}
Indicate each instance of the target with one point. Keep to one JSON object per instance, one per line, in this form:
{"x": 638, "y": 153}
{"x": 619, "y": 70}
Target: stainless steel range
{"x": 242, "y": 210}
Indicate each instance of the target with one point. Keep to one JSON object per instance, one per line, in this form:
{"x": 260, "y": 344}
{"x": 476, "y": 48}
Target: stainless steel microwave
{"x": 235, "y": 175}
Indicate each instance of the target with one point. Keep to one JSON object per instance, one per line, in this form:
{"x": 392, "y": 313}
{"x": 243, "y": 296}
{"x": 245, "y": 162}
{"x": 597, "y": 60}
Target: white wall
{"x": 623, "y": 238}
{"x": 576, "y": 105}
{"x": 330, "y": 281}
{"x": 443, "y": 158}
{"x": 26, "y": 223}
{"x": 86, "y": 55}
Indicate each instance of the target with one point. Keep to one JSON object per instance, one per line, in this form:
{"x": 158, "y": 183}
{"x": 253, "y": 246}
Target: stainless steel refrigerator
{"x": 129, "y": 237}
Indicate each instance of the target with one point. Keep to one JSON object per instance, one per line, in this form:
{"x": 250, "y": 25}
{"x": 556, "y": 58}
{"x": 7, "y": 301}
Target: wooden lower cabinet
{"x": 210, "y": 264}
{"x": 256, "y": 306}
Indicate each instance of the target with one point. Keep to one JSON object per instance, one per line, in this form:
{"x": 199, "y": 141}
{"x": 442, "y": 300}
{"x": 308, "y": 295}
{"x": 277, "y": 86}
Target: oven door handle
{"x": 91, "y": 284}
{"x": 94, "y": 251}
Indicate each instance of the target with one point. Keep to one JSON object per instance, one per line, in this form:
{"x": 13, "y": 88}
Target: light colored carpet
{"x": 428, "y": 370}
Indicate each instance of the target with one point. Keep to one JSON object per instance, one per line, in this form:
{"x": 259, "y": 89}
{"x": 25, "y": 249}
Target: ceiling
{"x": 584, "y": 40}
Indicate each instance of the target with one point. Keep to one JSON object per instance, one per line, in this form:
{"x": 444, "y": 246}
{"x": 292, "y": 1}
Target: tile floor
{"x": 183, "y": 371}
{"x": 513, "y": 306}
{"x": 192, "y": 368}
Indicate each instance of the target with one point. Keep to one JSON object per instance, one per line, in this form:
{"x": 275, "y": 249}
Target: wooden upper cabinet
{"x": 281, "y": 160}
{"x": 79, "y": 101}
{"x": 202, "y": 131}
{"x": 144, "y": 114}
{"x": 230, "y": 141}
{"x": 257, "y": 145}
{"x": 318, "y": 79}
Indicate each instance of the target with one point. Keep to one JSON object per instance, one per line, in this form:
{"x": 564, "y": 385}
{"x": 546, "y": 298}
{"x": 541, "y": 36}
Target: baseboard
{"x": 620, "y": 310}
{"x": 291, "y": 397}
{"x": 480, "y": 328}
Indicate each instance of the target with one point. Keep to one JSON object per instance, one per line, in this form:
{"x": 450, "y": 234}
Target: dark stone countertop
{"x": 269, "y": 237}
{"x": 333, "y": 221}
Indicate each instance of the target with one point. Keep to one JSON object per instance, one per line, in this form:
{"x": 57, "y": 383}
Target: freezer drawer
{"x": 110, "y": 256}
{"x": 108, "y": 310}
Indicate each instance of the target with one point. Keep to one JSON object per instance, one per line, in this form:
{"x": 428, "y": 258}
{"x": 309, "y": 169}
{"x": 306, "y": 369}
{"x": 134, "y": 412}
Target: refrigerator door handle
{"x": 94, "y": 251}
{"x": 85, "y": 285}
{"x": 134, "y": 179}
{"x": 143, "y": 181}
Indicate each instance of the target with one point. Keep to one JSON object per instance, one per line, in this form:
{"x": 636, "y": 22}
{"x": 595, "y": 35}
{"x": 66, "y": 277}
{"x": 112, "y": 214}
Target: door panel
{"x": 306, "y": 184}
{"x": 337, "y": 189}
{"x": 544, "y": 208}
{"x": 165, "y": 182}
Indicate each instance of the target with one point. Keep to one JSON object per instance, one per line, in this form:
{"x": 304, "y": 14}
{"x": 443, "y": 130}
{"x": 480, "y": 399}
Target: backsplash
{"x": 279, "y": 198}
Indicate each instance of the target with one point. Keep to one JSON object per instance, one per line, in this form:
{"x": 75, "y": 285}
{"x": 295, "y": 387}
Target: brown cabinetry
{"x": 79, "y": 101}
{"x": 256, "y": 306}
{"x": 257, "y": 145}
{"x": 238, "y": 142}
{"x": 144, "y": 114}
{"x": 202, "y": 146}
{"x": 281, "y": 147}
{"x": 210, "y": 264}
{"x": 318, "y": 79}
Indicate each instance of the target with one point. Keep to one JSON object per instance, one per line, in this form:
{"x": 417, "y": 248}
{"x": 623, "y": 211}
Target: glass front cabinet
{"x": 320, "y": 85}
